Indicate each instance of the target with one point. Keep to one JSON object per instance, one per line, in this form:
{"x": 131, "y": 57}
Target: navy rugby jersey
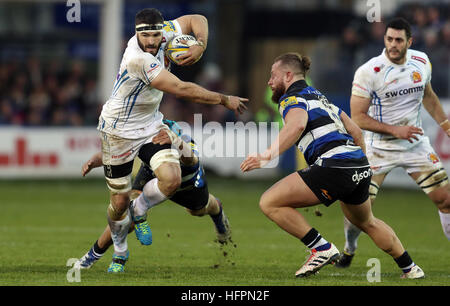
{"x": 325, "y": 141}
{"x": 191, "y": 176}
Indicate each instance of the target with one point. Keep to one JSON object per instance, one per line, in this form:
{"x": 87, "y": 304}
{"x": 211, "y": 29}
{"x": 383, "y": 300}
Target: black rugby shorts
{"x": 350, "y": 185}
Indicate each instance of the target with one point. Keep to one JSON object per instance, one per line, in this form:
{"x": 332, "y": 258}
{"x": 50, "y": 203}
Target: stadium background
{"x": 55, "y": 75}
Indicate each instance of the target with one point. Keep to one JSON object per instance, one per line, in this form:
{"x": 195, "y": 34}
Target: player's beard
{"x": 277, "y": 92}
{"x": 145, "y": 48}
{"x": 400, "y": 55}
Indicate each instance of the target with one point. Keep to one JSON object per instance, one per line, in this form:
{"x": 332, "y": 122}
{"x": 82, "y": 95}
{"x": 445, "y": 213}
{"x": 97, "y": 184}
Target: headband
{"x": 143, "y": 27}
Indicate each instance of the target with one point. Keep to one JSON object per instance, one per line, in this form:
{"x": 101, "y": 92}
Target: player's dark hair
{"x": 399, "y": 23}
{"x": 297, "y": 62}
{"x": 149, "y": 16}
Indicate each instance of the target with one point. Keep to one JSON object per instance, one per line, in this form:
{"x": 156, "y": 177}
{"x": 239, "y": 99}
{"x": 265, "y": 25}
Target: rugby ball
{"x": 178, "y": 46}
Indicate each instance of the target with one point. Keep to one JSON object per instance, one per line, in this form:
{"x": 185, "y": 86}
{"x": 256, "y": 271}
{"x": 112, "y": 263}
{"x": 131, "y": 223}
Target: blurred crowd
{"x": 53, "y": 93}
{"x": 361, "y": 40}
{"x": 56, "y": 92}
{"x": 36, "y": 93}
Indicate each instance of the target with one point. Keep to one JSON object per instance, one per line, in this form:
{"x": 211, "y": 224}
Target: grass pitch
{"x": 44, "y": 224}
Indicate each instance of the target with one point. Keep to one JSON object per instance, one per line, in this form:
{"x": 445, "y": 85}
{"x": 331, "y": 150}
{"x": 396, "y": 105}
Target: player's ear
{"x": 288, "y": 76}
{"x": 409, "y": 43}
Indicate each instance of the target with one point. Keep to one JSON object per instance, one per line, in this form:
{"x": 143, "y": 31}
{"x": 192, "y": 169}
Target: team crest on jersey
{"x": 433, "y": 158}
{"x": 416, "y": 77}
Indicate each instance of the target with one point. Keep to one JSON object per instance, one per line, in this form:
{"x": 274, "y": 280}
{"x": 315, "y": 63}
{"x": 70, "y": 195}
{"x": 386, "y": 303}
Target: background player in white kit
{"x": 387, "y": 97}
{"x": 131, "y": 118}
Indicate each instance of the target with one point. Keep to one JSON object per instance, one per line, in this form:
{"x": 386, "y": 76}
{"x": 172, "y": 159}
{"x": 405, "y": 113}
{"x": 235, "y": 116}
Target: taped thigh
{"x": 373, "y": 190}
{"x": 163, "y": 156}
{"x": 118, "y": 177}
{"x": 432, "y": 180}
{"x": 119, "y": 185}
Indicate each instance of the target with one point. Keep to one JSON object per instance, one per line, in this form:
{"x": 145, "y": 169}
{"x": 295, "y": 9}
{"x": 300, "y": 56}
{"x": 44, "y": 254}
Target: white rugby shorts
{"x": 420, "y": 158}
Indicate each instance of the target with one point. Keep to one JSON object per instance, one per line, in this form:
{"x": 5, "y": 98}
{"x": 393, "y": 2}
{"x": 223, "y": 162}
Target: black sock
{"x": 404, "y": 262}
{"x": 98, "y": 250}
{"x": 311, "y": 237}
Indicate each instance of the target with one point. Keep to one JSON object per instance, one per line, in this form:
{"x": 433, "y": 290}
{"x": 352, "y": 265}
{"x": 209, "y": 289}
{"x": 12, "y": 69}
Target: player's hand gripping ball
{"x": 178, "y": 46}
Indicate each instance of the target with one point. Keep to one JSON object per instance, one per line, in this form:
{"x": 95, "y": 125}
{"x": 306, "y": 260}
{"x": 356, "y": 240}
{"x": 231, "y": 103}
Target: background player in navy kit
{"x": 193, "y": 193}
{"x": 338, "y": 169}
{"x": 387, "y": 97}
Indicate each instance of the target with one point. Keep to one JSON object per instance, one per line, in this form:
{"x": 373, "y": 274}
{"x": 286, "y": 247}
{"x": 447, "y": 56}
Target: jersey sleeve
{"x": 171, "y": 28}
{"x": 292, "y": 102}
{"x": 429, "y": 71}
{"x": 146, "y": 68}
{"x": 362, "y": 84}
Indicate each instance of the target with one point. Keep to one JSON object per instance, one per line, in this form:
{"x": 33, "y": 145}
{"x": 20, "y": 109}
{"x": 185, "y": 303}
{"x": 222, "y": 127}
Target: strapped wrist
{"x": 224, "y": 99}
{"x": 202, "y": 44}
{"x": 445, "y": 125}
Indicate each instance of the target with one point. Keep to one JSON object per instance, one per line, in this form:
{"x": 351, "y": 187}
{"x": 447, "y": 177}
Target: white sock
{"x": 445, "y": 221}
{"x": 319, "y": 243}
{"x": 351, "y": 236}
{"x": 119, "y": 232}
{"x": 151, "y": 196}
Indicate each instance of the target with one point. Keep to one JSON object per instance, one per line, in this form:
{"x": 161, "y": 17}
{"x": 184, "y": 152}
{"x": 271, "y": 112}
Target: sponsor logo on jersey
{"x": 433, "y": 158}
{"x": 169, "y": 26}
{"x": 406, "y": 91}
{"x": 326, "y": 194}
{"x": 122, "y": 155}
{"x": 358, "y": 176}
{"x": 288, "y": 102}
{"x": 153, "y": 66}
{"x": 416, "y": 77}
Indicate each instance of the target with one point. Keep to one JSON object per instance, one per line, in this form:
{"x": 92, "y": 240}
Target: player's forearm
{"x": 287, "y": 137}
{"x": 199, "y": 26}
{"x": 434, "y": 107}
{"x": 198, "y": 94}
{"x": 367, "y": 123}
{"x": 359, "y": 140}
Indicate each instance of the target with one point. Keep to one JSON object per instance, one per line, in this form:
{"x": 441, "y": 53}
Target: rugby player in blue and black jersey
{"x": 334, "y": 149}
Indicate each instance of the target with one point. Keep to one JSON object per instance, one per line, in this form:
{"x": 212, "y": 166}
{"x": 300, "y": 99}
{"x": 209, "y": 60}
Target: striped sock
{"x": 97, "y": 251}
{"x": 314, "y": 240}
{"x": 405, "y": 262}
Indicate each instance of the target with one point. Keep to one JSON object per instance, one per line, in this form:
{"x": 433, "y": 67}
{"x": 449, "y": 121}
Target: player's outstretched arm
{"x": 295, "y": 123}
{"x": 170, "y": 83}
{"x": 93, "y": 162}
{"x": 434, "y": 108}
{"x": 197, "y": 25}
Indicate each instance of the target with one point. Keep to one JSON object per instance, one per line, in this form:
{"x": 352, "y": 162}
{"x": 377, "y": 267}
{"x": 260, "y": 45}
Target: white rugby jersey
{"x": 132, "y": 111}
{"x": 396, "y": 93}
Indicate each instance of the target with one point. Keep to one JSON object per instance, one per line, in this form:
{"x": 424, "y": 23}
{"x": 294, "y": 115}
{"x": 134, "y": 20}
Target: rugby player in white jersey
{"x": 193, "y": 193}
{"x": 131, "y": 118}
{"x": 388, "y": 94}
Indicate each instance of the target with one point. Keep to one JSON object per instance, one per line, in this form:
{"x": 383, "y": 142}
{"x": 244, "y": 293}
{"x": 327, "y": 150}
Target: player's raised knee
{"x": 265, "y": 204}
{"x": 169, "y": 184}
